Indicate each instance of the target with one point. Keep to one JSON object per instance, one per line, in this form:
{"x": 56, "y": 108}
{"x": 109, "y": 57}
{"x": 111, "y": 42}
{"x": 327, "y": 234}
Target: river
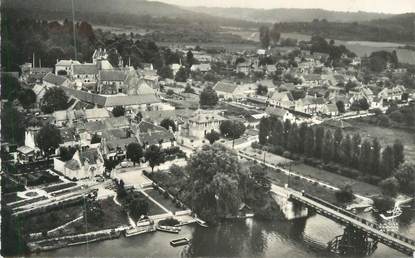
{"x": 244, "y": 238}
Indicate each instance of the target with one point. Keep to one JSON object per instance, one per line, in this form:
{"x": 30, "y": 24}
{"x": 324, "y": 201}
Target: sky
{"x": 383, "y": 6}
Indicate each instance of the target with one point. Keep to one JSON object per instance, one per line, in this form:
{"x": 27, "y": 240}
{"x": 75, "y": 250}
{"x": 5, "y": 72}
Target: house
{"x": 96, "y": 114}
{"x": 116, "y": 149}
{"x": 395, "y": 93}
{"x": 53, "y": 80}
{"x": 84, "y": 164}
{"x": 244, "y": 68}
{"x": 204, "y": 121}
{"x": 280, "y": 113}
{"x": 35, "y": 74}
{"x": 331, "y": 110}
{"x": 39, "y": 90}
{"x": 282, "y": 99}
{"x": 312, "y": 80}
{"x": 110, "y": 81}
{"x": 270, "y": 69}
{"x": 229, "y": 90}
{"x": 64, "y": 67}
{"x": 313, "y": 105}
{"x": 201, "y": 68}
{"x": 175, "y": 68}
{"x": 149, "y": 134}
{"x": 85, "y": 73}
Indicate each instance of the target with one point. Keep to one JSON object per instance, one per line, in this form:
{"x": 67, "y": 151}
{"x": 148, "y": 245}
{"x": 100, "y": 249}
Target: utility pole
{"x": 74, "y": 29}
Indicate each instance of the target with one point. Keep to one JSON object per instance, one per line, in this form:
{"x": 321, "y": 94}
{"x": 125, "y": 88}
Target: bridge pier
{"x": 353, "y": 242}
{"x": 291, "y": 210}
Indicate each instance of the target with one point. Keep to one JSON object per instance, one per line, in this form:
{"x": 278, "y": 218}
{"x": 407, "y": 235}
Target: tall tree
{"x": 327, "y": 151}
{"x": 275, "y": 34}
{"x": 346, "y": 151}
{"x": 293, "y": 139}
{"x": 388, "y": 162}
{"x": 264, "y": 130}
{"x": 338, "y": 137}
{"x": 302, "y": 131}
{"x": 364, "y": 157}
{"x": 287, "y": 129}
{"x": 375, "y": 157}
{"x": 27, "y": 98}
{"x": 406, "y": 177}
{"x": 134, "y": 152}
{"x": 212, "y": 136}
{"x": 264, "y": 36}
{"x": 208, "y": 97}
{"x": 356, "y": 141}
{"x": 398, "y": 153}
{"x": 12, "y": 125}
{"x": 309, "y": 142}
{"x": 154, "y": 156}
{"x": 48, "y": 139}
{"x": 277, "y": 132}
{"x": 319, "y": 141}
{"x": 53, "y": 100}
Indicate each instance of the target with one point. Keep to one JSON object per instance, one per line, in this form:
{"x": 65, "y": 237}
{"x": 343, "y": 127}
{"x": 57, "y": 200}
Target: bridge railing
{"x": 354, "y": 216}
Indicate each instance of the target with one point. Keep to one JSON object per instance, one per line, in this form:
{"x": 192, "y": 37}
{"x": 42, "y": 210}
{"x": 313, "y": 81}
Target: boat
{"x": 396, "y": 212}
{"x": 138, "y": 231}
{"x": 179, "y": 242}
{"x": 168, "y": 229}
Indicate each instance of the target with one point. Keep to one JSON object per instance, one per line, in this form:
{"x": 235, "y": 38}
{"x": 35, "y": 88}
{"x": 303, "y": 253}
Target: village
{"x": 105, "y": 141}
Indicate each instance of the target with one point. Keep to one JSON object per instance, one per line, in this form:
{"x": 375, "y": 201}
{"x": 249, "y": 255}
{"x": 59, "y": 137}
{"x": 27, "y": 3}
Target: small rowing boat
{"x": 168, "y": 229}
{"x": 179, "y": 242}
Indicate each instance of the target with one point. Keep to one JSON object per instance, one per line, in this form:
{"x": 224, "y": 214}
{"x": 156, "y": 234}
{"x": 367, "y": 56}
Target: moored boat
{"x": 168, "y": 229}
{"x": 179, "y": 242}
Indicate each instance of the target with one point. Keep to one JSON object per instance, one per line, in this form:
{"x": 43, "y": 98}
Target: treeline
{"x": 354, "y": 156}
{"x": 350, "y": 31}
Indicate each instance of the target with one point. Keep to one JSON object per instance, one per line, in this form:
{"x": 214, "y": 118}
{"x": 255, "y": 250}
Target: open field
{"x": 386, "y": 136}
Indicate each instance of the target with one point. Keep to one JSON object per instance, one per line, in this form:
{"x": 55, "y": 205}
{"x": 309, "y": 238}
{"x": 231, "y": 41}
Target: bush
{"x": 166, "y": 195}
{"x": 256, "y": 145}
{"x": 390, "y": 186}
{"x": 383, "y": 203}
{"x": 374, "y": 180}
{"x": 345, "y": 194}
{"x": 286, "y": 154}
{"x": 277, "y": 150}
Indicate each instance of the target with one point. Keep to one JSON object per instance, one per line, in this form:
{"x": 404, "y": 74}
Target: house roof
{"x": 227, "y": 87}
{"x": 111, "y": 101}
{"x": 275, "y": 111}
{"x": 38, "y": 88}
{"x": 117, "y": 122}
{"x": 96, "y": 113}
{"x": 92, "y": 156}
{"x": 148, "y": 133}
{"x": 119, "y": 143}
{"x": 54, "y": 79}
{"x": 280, "y": 96}
{"x": 68, "y": 62}
{"x": 312, "y": 77}
{"x": 337, "y": 123}
{"x": 85, "y": 69}
{"x": 112, "y": 75}
{"x": 203, "y": 116}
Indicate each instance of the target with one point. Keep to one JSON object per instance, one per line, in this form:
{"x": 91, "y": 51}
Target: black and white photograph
{"x": 207, "y": 128}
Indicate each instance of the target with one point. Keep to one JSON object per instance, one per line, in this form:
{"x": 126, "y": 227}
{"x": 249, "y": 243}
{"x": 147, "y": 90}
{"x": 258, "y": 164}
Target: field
{"x": 386, "y": 136}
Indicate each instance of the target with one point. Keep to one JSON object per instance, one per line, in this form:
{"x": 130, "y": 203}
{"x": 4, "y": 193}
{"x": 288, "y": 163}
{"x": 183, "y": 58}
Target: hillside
{"x": 289, "y": 15}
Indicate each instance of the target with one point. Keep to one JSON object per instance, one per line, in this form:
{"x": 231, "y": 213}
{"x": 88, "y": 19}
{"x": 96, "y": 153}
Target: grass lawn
{"x": 385, "y": 135}
{"x": 154, "y": 209}
{"x": 51, "y": 219}
{"x": 339, "y": 181}
{"x": 167, "y": 203}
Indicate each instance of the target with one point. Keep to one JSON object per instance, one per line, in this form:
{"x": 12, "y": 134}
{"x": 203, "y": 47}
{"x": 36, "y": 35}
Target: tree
{"x": 154, "y": 156}
{"x": 182, "y": 75}
{"x": 208, "y": 97}
{"x": 302, "y": 131}
{"x": 66, "y": 153}
{"x": 95, "y": 138}
{"x": 26, "y": 97}
{"x": 188, "y": 89}
{"x": 53, "y": 100}
{"x": 340, "y": 106}
{"x": 277, "y": 131}
{"x": 364, "y": 157}
{"x": 214, "y": 173}
{"x": 118, "y": 111}
{"x": 134, "y": 152}
{"x": 275, "y": 34}
{"x": 319, "y": 141}
{"x": 398, "y": 153}
{"x": 212, "y": 137}
{"x": 261, "y": 90}
{"x": 166, "y": 72}
{"x": 346, "y": 150}
{"x": 375, "y": 157}
{"x": 48, "y": 139}
{"x": 327, "y": 151}
{"x": 168, "y": 124}
{"x": 356, "y": 140}
{"x": 293, "y": 142}
{"x": 12, "y": 125}
{"x": 405, "y": 175}
{"x": 345, "y": 194}
{"x": 232, "y": 129}
{"x": 170, "y": 92}
{"x": 264, "y": 36}
{"x": 10, "y": 87}
{"x": 389, "y": 186}
{"x": 388, "y": 162}
{"x": 189, "y": 58}
{"x": 264, "y": 130}
{"x": 309, "y": 142}
{"x": 338, "y": 137}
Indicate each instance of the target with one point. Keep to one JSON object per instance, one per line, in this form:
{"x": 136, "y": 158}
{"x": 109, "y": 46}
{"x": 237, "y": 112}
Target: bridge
{"x": 370, "y": 229}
